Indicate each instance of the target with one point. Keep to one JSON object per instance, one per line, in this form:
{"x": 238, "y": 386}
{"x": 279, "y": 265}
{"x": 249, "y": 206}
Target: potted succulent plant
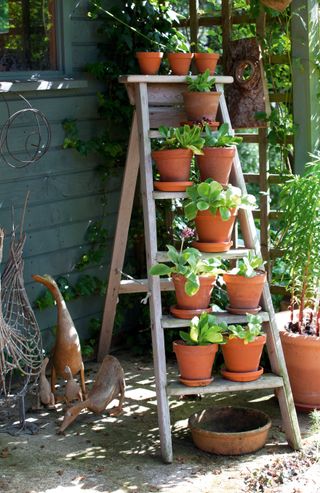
{"x": 244, "y": 285}
{"x": 173, "y": 154}
{"x": 196, "y": 350}
{"x": 218, "y": 154}
{"x": 179, "y": 55}
{"x": 193, "y": 277}
{"x": 299, "y": 240}
{"x": 149, "y": 61}
{"x": 200, "y": 101}
{"x": 214, "y": 209}
{"x": 242, "y": 350}
{"x": 206, "y": 60}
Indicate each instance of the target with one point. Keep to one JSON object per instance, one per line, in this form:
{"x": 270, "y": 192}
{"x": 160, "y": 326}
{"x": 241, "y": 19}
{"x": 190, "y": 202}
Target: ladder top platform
{"x": 168, "y": 79}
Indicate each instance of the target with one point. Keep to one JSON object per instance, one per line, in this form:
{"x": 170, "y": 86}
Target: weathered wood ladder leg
{"x": 275, "y": 352}
{"x": 120, "y": 239}
{"x": 150, "y": 228}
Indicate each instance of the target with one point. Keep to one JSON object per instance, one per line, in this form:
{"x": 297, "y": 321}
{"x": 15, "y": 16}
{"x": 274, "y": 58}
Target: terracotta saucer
{"x": 196, "y": 383}
{"x": 187, "y": 314}
{"x": 243, "y": 311}
{"x": 172, "y": 186}
{"x": 212, "y": 247}
{"x": 247, "y": 376}
{"x": 305, "y": 408}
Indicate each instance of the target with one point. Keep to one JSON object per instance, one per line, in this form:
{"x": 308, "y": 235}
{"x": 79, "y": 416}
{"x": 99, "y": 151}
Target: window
{"x": 28, "y": 35}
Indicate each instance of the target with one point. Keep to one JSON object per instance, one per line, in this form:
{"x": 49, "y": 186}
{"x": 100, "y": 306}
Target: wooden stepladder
{"x": 158, "y": 101}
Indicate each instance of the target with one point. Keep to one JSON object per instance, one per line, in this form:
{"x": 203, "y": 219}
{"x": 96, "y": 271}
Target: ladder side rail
{"x": 150, "y": 227}
{"x": 275, "y": 351}
{"x": 120, "y": 239}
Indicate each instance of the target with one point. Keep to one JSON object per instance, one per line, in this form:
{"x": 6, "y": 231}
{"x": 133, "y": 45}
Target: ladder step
{"x": 141, "y": 286}
{"x": 231, "y": 254}
{"x": 219, "y": 384}
{"x": 169, "y": 322}
{"x": 169, "y": 195}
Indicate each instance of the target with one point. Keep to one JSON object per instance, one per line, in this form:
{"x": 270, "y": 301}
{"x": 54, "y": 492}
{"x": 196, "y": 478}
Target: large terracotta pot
{"x": 279, "y": 5}
{"x": 241, "y": 357}
{"x": 198, "y": 301}
{"x": 206, "y": 61}
{"x": 180, "y": 63}
{"x": 216, "y": 163}
{"x": 173, "y": 164}
{"x": 302, "y": 355}
{"x": 149, "y": 61}
{"x": 212, "y": 229}
{"x": 195, "y": 363}
{"x": 201, "y": 105}
{"x": 244, "y": 292}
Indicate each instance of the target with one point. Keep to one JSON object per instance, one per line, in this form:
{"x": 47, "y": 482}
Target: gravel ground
{"x": 121, "y": 455}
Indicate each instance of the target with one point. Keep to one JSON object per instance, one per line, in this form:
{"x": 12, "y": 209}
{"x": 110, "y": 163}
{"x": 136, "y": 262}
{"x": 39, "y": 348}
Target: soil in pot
{"x": 200, "y": 300}
{"x": 206, "y": 61}
{"x": 302, "y": 355}
{"x": 173, "y": 164}
{"x": 149, "y": 62}
{"x": 243, "y": 358}
{"x": 195, "y": 363}
{"x": 201, "y": 105}
{"x": 244, "y": 292}
{"x": 229, "y": 430}
{"x": 180, "y": 63}
{"x": 216, "y": 163}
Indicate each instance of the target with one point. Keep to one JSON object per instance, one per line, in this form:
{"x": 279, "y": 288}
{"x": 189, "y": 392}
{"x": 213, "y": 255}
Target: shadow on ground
{"x": 117, "y": 455}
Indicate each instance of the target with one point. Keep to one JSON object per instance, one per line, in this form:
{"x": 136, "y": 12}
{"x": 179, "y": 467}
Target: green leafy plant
{"x": 247, "y": 266}
{"x": 178, "y": 43}
{"x": 221, "y": 137}
{"x": 204, "y": 330}
{"x": 247, "y": 332}
{"x": 211, "y": 195}
{"x": 189, "y": 263}
{"x": 300, "y": 241}
{"x": 185, "y": 137}
{"x": 201, "y": 83}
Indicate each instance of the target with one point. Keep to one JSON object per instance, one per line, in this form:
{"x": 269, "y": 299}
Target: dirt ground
{"x": 121, "y": 455}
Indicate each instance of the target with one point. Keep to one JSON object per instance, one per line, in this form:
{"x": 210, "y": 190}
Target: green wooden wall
{"x": 64, "y": 187}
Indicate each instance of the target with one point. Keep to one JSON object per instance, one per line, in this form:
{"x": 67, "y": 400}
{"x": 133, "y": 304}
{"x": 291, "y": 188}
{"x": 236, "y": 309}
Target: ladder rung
{"x": 169, "y": 322}
{"x": 141, "y": 286}
{"x": 169, "y": 195}
{"x": 219, "y": 384}
{"x": 231, "y": 254}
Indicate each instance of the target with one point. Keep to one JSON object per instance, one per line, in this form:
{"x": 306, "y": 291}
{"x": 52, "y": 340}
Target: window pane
{"x": 27, "y": 35}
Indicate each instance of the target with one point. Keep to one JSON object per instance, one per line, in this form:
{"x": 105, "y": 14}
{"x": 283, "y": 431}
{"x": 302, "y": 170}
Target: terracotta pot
{"x": 149, "y": 61}
{"x": 216, "y": 163}
{"x": 241, "y": 357}
{"x": 200, "y": 105}
{"x": 200, "y": 300}
{"x": 302, "y": 355}
{"x": 279, "y": 5}
{"x": 195, "y": 363}
{"x": 229, "y": 430}
{"x": 212, "y": 229}
{"x": 173, "y": 164}
{"x": 180, "y": 63}
{"x": 244, "y": 292}
{"x": 206, "y": 61}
